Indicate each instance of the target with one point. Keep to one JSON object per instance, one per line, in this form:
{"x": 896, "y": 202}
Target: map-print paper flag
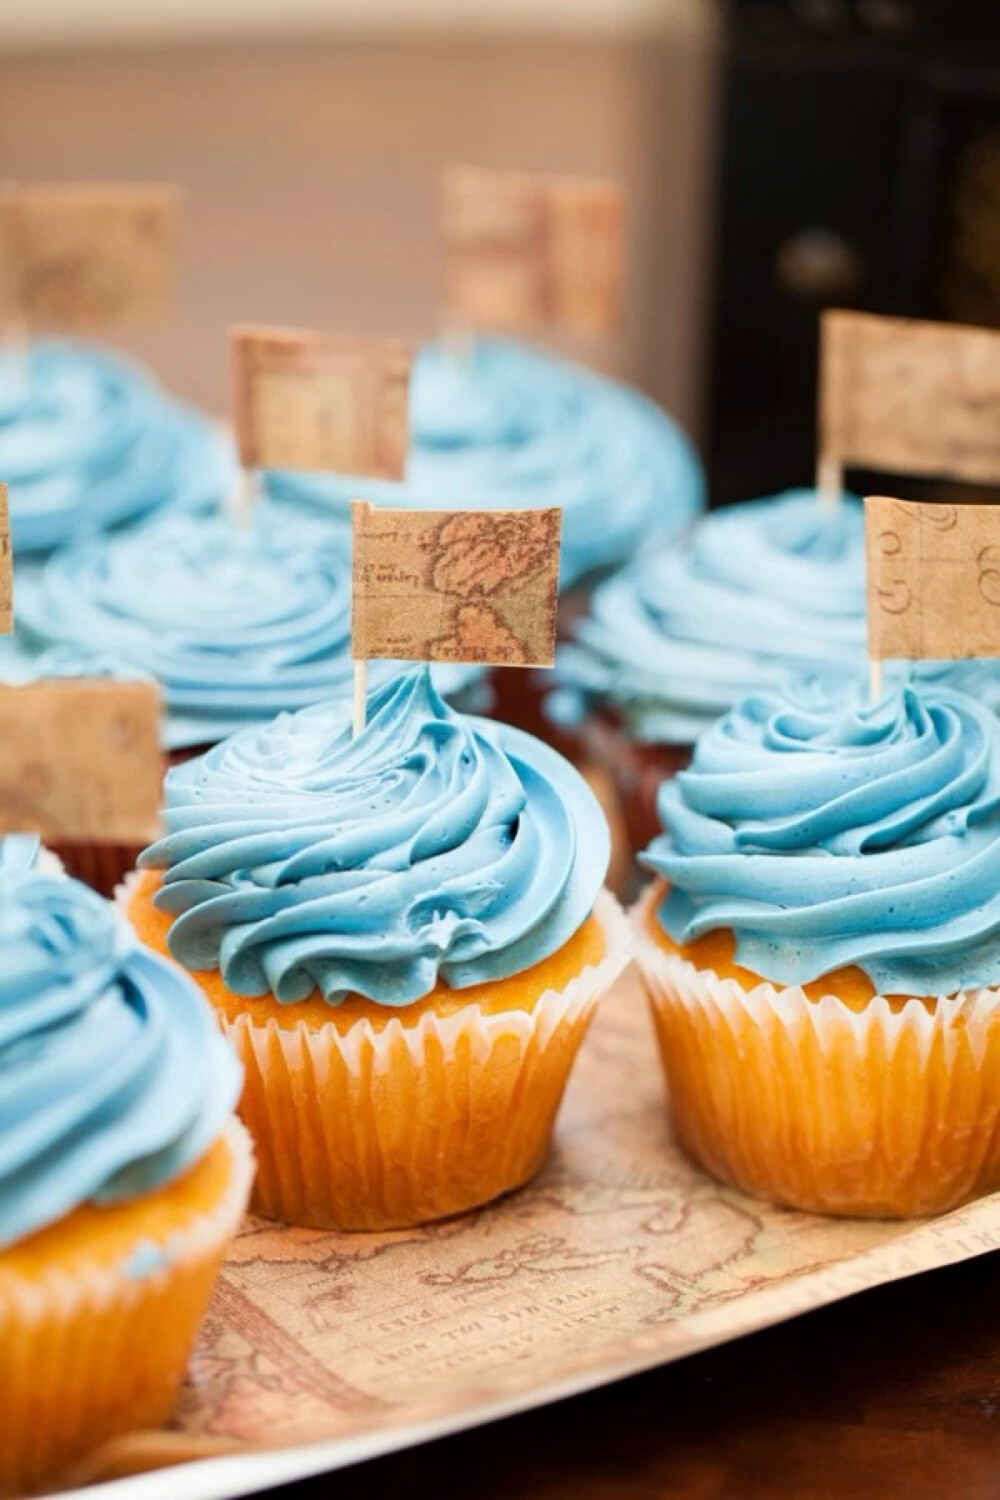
{"x": 455, "y": 585}
{"x": 524, "y": 251}
{"x": 933, "y": 579}
{"x": 318, "y": 401}
{"x": 86, "y": 254}
{"x": 80, "y": 759}
{"x": 907, "y": 397}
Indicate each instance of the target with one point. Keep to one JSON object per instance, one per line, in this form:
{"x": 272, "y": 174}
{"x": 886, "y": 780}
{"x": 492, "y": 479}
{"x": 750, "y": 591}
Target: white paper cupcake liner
{"x": 90, "y": 1350}
{"x": 893, "y": 1109}
{"x": 384, "y": 1125}
{"x": 103, "y": 1286}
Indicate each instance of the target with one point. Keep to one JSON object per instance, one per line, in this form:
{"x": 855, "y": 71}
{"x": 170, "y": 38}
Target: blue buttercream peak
{"x": 755, "y": 592}
{"x": 88, "y": 439}
{"x": 18, "y": 854}
{"x": 113, "y": 1076}
{"x": 826, "y": 830}
{"x": 434, "y": 847}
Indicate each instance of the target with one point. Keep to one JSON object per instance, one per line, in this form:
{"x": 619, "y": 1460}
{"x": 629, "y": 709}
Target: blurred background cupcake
{"x": 89, "y": 439}
{"x": 235, "y": 622}
{"x": 821, "y": 946}
{"x": 123, "y": 1175}
{"x": 404, "y": 934}
{"x": 756, "y": 593}
{"x": 503, "y": 426}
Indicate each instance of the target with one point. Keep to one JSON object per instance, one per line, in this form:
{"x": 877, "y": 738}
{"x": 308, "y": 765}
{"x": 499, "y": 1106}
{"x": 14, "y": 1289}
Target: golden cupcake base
{"x": 888, "y": 1109}
{"x": 364, "y": 1118}
{"x": 99, "y": 1312}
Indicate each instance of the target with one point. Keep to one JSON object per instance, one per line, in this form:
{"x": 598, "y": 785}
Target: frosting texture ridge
{"x": 826, "y": 831}
{"x": 88, "y": 440}
{"x": 433, "y": 847}
{"x": 507, "y": 427}
{"x": 113, "y": 1076}
{"x": 234, "y": 624}
{"x": 756, "y": 591}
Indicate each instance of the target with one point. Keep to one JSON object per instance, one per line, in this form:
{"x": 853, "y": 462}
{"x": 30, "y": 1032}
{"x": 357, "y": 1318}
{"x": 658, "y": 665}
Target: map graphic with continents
{"x": 469, "y": 586}
{"x": 619, "y": 1256}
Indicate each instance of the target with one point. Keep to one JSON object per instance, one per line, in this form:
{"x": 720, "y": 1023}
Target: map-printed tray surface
{"x": 619, "y": 1257}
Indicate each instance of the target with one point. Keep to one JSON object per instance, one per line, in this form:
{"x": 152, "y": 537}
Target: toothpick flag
{"x": 933, "y": 579}
{"x": 6, "y": 568}
{"x": 524, "y": 252}
{"x": 80, "y": 255}
{"x": 908, "y": 398}
{"x": 318, "y": 401}
{"x": 460, "y": 586}
{"x": 80, "y": 759}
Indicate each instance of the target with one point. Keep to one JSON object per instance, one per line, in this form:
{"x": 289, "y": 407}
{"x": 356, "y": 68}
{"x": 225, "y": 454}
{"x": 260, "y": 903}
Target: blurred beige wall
{"x": 309, "y": 166}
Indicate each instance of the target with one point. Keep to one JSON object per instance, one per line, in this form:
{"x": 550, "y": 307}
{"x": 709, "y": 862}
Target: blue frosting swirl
{"x": 113, "y": 1075}
{"x": 759, "y": 591}
{"x": 18, "y": 853}
{"x": 88, "y": 440}
{"x": 234, "y": 623}
{"x": 432, "y": 847}
{"x": 827, "y": 831}
{"x": 511, "y": 428}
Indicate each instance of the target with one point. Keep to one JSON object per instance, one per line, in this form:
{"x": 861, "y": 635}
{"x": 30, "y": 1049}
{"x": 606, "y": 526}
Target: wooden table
{"x": 892, "y": 1393}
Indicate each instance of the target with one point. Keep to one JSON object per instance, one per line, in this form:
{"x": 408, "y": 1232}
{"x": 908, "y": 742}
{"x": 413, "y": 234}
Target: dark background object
{"x": 859, "y": 166}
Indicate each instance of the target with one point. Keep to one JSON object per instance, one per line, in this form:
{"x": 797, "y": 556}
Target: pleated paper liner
{"x": 95, "y": 1342}
{"x": 890, "y": 1111}
{"x": 328, "y": 1348}
{"x": 381, "y": 1128}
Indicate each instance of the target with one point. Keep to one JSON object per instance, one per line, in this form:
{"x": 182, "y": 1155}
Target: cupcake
{"x": 822, "y": 948}
{"x": 234, "y": 623}
{"x": 518, "y": 429}
{"x": 89, "y": 440}
{"x": 757, "y": 592}
{"x": 123, "y": 1175}
{"x": 404, "y": 934}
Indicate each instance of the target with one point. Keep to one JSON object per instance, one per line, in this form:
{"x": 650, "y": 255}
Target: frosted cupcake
{"x": 405, "y": 936}
{"x": 517, "y": 429}
{"x": 89, "y": 440}
{"x": 123, "y": 1175}
{"x": 822, "y": 949}
{"x": 234, "y": 623}
{"x": 757, "y": 592}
